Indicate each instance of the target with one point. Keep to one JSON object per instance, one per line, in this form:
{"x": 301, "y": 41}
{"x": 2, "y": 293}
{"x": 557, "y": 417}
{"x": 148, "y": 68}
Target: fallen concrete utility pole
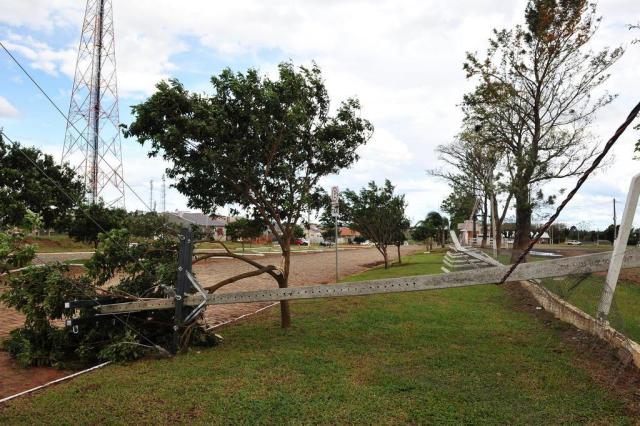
{"x": 551, "y": 268}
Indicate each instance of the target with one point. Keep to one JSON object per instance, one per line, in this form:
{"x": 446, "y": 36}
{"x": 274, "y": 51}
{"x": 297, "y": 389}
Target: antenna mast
{"x": 96, "y": 152}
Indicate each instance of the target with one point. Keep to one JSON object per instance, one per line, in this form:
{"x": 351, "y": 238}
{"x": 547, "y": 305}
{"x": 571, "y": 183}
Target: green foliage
{"x": 433, "y": 226}
{"x": 14, "y": 253}
{"x": 257, "y": 143}
{"x": 89, "y": 221}
{"x": 32, "y": 221}
{"x": 298, "y": 232}
{"x": 254, "y": 143}
{"x": 146, "y": 269}
{"x": 23, "y": 186}
{"x": 459, "y": 204}
{"x": 377, "y": 214}
{"x": 146, "y": 224}
{"x": 243, "y": 228}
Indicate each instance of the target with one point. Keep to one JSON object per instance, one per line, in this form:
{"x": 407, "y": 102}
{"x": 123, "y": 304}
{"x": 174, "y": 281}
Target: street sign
{"x": 335, "y": 196}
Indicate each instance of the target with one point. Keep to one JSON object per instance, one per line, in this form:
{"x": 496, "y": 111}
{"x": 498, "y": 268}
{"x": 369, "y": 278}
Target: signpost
{"x": 335, "y": 212}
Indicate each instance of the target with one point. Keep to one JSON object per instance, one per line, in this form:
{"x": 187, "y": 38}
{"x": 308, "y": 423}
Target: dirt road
{"x": 312, "y": 268}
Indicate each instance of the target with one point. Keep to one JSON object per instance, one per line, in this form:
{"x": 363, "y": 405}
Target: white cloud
{"x": 6, "y": 109}
{"x": 402, "y": 59}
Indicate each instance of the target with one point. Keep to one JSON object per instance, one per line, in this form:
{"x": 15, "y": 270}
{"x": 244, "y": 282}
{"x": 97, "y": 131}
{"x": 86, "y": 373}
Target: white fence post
{"x": 619, "y": 248}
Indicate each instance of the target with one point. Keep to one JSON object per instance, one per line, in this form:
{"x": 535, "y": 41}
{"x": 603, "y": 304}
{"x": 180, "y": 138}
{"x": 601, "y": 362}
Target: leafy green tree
{"x": 88, "y": 222}
{"x": 400, "y": 235}
{"x": 145, "y": 224}
{"x": 33, "y": 221}
{"x": 434, "y": 226}
{"x": 298, "y": 232}
{"x": 420, "y": 232}
{"x": 377, "y": 214}
{"x": 459, "y": 204}
{"x": 14, "y": 252}
{"x": 24, "y": 187}
{"x": 256, "y": 143}
{"x": 242, "y": 229}
{"x": 540, "y": 78}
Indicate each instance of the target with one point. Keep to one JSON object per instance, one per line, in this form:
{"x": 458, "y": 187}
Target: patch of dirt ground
{"x": 306, "y": 269}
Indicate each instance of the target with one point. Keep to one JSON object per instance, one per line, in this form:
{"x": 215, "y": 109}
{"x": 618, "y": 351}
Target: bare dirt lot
{"x": 312, "y": 268}
{"x": 306, "y": 268}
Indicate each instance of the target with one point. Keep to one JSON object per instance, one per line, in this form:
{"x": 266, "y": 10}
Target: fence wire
{"x": 585, "y": 290}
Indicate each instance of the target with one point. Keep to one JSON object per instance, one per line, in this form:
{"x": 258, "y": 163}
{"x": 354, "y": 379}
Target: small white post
{"x": 619, "y": 248}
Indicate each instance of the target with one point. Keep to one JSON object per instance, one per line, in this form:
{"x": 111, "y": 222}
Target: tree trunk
{"x": 522, "y": 236}
{"x": 386, "y": 258}
{"x": 498, "y": 224}
{"x": 399, "y": 258}
{"x": 285, "y": 311}
{"x": 484, "y": 224}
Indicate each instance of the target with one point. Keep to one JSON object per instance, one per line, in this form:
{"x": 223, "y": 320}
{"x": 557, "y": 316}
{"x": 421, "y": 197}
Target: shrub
{"x": 143, "y": 270}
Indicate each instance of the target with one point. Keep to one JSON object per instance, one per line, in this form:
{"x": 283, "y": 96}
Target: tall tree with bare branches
{"x": 545, "y": 76}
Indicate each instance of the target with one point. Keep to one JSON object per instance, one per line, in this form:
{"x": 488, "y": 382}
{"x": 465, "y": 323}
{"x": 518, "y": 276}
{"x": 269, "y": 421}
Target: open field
{"x": 466, "y": 355}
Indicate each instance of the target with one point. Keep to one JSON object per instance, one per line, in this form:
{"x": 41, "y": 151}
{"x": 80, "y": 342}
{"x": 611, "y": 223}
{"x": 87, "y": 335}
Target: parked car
{"x": 301, "y": 242}
{"x": 326, "y": 243}
{"x": 574, "y": 243}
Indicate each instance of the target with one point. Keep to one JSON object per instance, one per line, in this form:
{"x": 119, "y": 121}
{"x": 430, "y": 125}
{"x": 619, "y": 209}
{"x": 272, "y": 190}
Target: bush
{"x": 147, "y": 269}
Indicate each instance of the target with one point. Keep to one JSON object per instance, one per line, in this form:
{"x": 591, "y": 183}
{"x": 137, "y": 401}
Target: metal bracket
{"x": 196, "y": 311}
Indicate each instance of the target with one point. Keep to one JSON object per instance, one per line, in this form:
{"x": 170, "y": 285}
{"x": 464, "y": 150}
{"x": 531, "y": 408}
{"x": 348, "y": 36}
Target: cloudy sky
{"x": 403, "y": 59}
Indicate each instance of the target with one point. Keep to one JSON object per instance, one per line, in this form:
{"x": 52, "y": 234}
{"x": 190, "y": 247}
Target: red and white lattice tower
{"x": 92, "y": 143}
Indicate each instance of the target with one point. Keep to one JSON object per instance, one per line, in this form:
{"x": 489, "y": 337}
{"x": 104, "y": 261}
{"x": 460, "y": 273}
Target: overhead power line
{"x": 69, "y": 123}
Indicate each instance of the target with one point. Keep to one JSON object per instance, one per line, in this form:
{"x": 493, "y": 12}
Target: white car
{"x": 574, "y": 243}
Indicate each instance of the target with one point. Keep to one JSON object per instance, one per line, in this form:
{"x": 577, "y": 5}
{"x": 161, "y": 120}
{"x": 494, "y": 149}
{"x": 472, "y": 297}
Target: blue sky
{"x": 401, "y": 58}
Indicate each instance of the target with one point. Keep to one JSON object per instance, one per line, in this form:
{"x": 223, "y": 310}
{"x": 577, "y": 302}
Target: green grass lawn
{"x": 625, "y": 309}
{"x": 57, "y": 244}
{"x": 458, "y": 356}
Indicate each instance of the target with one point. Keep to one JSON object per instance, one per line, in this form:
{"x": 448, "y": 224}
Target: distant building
{"x": 314, "y": 234}
{"x": 214, "y": 226}
{"x": 347, "y": 235}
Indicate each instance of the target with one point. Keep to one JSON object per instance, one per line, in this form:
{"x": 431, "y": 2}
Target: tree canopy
{"x": 89, "y": 221}
{"x": 24, "y": 187}
{"x": 257, "y": 143}
{"x": 377, "y": 214}
{"x": 537, "y": 99}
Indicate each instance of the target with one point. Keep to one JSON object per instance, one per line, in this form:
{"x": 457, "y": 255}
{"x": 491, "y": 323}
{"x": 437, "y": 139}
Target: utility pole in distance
{"x": 164, "y": 194}
{"x": 615, "y": 233}
{"x": 151, "y": 195}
